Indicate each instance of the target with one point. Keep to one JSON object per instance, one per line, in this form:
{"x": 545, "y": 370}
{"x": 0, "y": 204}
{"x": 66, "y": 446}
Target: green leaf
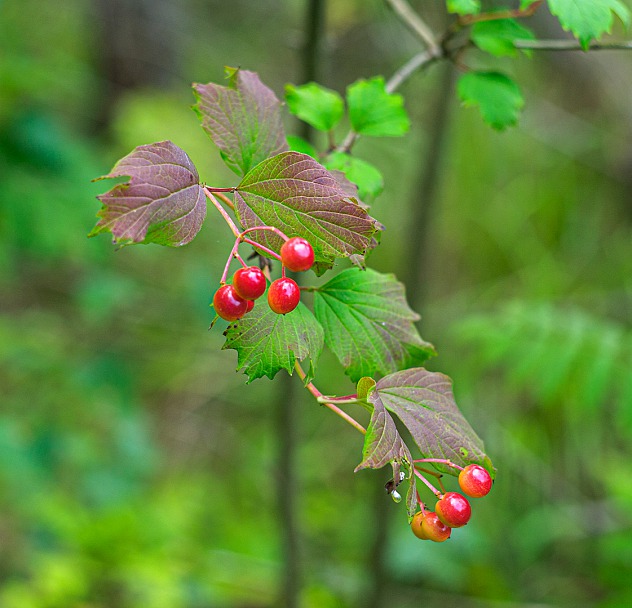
{"x": 588, "y": 20}
{"x": 365, "y": 176}
{"x": 364, "y": 387}
{"x": 316, "y": 105}
{"x": 424, "y": 402}
{"x": 243, "y": 119}
{"x": 497, "y": 37}
{"x": 383, "y": 445}
{"x": 464, "y": 7}
{"x": 267, "y": 342}
{"x": 161, "y": 203}
{"x": 375, "y": 112}
{"x": 525, "y": 4}
{"x": 298, "y": 144}
{"x": 296, "y": 194}
{"x": 368, "y": 323}
{"x": 498, "y": 97}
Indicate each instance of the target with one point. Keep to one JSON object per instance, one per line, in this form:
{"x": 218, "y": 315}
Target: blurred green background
{"x": 138, "y": 470}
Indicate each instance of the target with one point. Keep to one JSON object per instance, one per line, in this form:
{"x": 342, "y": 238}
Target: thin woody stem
{"x": 416, "y": 24}
{"x": 445, "y": 461}
{"x": 317, "y": 394}
{"x": 225, "y": 200}
{"x": 571, "y": 45}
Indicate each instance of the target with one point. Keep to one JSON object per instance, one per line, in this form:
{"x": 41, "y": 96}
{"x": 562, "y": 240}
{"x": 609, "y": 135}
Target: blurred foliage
{"x": 136, "y": 469}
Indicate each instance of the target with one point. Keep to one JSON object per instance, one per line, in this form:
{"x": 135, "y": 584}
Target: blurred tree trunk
{"x": 137, "y": 46}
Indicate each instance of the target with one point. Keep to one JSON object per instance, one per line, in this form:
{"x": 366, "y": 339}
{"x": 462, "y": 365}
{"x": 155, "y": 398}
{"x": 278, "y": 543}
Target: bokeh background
{"x": 138, "y": 470}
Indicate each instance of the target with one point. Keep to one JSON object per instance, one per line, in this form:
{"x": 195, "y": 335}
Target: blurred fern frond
{"x": 557, "y": 354}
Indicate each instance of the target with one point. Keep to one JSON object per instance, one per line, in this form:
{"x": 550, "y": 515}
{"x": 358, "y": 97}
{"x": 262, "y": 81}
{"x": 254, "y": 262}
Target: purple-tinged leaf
{"x": 424, "y": 402}
{"x": 296, "y": 194}
{"x": 161, "y": 203}
{"x": 383, "y": 445}
{"x": 243, "y": 119}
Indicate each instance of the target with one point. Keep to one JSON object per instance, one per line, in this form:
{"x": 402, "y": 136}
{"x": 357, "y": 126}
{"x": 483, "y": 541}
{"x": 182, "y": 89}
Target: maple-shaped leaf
{"x": 497, "y": 96}
{"x": 588, "y": 20}
{"x": 267, "y": 342}
{"x": 243, "y": 119}
{"x": 296, "y": 194}
{"x": 424, "y": 402}
{"x": 383, "y": 445}
{"x": 161, "y": 203}
{"x": 368, "y": 323}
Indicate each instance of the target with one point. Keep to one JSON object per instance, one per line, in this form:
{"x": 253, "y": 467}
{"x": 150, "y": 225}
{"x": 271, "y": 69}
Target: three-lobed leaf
{"x": 296, "y": 194}
{"x": 243, "y": 119}
{"x": 368, "y": 323}
{"x": 267, "y": 342}
{"x": 588, "y": 19}
{"x": 161, "y": 203}
{"x": 374, "y": 111}
{"x": 316, "y": 105}
{"x": 497, "y": 96}
{"x": 425, "y": 404}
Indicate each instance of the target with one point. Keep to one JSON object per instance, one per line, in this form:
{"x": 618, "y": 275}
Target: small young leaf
{"x": 243, "y": 119}
{"x": 588, "y": 20}
{"x": 267, "y": 342}
{"x": 161, "y": 203}
{"x": 320, "y": 107}
{"x": 373, "y": 111}
{"x": 296, "y": 194}
{"x": 424, "y": 402}
{"x": 298, "y": 144}
{"x": 498, "y": 97}
{"x": 383, "y": 445}
{"x": 497, "y": 37}
{"x": 464, "y": 7}
{"x": 364, "y": 387}
{"x": 368, "y": 323}
{"x": 525, "y": 4}
{"x": 364, "y": 175}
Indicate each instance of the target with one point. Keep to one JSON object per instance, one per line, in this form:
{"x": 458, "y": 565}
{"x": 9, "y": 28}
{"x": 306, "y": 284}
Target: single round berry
{"x": 249, "y": 283}
{"x": 454, "y": 510}
{"x": 416, "y": 525}
{"x": 475, "y": 481}
{"x": 297, "y": 254}
{"x": 434, "y": 529}
{"x": 251, "y": 305}
{"x": 283, "y": 295}
{"x": 228, "y": 304}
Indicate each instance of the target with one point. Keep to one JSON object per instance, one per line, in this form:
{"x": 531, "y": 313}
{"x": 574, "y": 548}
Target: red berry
{"x": 475, "y": 481}
{"x": 416, "y": 525}
{"x": 251, "y": 305}
{"x": 249, "y": 283}
{"x": 283, "y": 295}
{"x": 454, "y": 510}
{"x": 297, "y": 254}
{"x": 228, "y": 304}
{"x": 434, "y": 528}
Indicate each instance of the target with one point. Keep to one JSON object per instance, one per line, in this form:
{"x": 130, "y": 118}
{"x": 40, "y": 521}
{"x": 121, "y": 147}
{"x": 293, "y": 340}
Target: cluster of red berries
{"x": 233, "y": 301}
{"x": 452, "y": 509}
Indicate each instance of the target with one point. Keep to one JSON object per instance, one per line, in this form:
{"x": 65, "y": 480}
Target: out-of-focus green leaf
{"x": 497, "y": 36}
{"x": 316, "y": 105}
{"x": 365, "y": 176}
{"x": 497, "y": 96}
{"x": 464, "y": 7}
{"x": 374, "y": 111}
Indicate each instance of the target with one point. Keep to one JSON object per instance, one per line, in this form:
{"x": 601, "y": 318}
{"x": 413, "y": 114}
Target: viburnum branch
{"x": 233, "y": 254}
{"x": 417, "y": 62}
{"x": 417, "y": 25}
{"x": 434, "y": 474}
{"x": 317, "y": 394}
{"x": 570, "y": 45}
{"x": 225, "y": 200}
